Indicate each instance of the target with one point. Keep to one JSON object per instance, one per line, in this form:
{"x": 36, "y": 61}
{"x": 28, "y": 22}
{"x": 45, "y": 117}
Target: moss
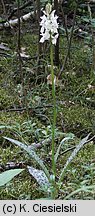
{"x": 5, "y": 99}
{"x": 79, "y": 119}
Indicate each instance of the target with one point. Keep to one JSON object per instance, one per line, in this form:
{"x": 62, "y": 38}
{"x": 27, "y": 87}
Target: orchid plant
{"x": 49, "y": 31}
{"x": 47, "y": 181}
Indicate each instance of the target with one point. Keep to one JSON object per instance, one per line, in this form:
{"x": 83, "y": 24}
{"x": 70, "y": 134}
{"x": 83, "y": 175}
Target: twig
{"x": 20, "y": 8}
{"x": 93, "y": 36}
{"x": 69, "y": 44}
{"x": 3, "y": 5}
{"x": 39, "y": 145}
{"x": 65, "y": 23}
{"x": 24, "y": 108}
{"x": 69, "y": 149}
{"x": 19, "y": 39}
{"x": 57, "y": 44}
{"x": 39, "y": 36}
{"x": 5, "y": 54}
{"x": 4, "y": 8}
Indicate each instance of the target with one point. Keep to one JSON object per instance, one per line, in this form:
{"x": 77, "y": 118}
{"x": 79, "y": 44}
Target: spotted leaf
{"x": 39, "y": 175}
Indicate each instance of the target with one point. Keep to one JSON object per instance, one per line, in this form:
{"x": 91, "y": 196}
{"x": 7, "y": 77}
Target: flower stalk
{"x": 54, "y": 110}
{"x": 49, "y": 32}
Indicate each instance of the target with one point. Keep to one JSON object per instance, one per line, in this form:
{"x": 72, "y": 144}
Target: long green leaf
{"x": 74, "y": 153}
{"x": 59, "y": 147}
{"x": 31, "y": 152}
{"x": 8, "y": 175}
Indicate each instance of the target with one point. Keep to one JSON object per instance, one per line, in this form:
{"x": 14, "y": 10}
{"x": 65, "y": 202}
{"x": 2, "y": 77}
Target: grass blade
{"x": 59, "y": 147}
{"x": 74, "y": 153}
{"x": 84, "y": 189}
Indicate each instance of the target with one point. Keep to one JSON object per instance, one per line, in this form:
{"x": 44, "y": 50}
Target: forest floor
{"x": 26, "y": 112}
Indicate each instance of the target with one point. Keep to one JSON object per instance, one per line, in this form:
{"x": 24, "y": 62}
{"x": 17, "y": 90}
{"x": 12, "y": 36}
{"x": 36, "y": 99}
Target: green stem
{"x": 54, "y": 111}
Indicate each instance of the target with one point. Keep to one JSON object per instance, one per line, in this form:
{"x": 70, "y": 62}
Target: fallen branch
{"x": 12, "y": 23}
{"x": 5, "y": 54}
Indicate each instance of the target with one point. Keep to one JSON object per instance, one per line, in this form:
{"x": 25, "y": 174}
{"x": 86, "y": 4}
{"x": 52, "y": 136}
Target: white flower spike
{"x": 49, "y": 26}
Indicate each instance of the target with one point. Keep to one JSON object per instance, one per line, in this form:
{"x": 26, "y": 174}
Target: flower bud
{"x": 48, "y": 8}
{"x": 52, "y": 178}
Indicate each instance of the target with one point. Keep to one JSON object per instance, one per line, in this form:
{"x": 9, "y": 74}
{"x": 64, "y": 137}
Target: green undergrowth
{"x": 75, "y": 98}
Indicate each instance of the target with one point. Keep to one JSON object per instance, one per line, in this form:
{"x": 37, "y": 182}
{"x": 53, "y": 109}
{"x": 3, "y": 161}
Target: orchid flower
{"x": 49, "y": 27}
